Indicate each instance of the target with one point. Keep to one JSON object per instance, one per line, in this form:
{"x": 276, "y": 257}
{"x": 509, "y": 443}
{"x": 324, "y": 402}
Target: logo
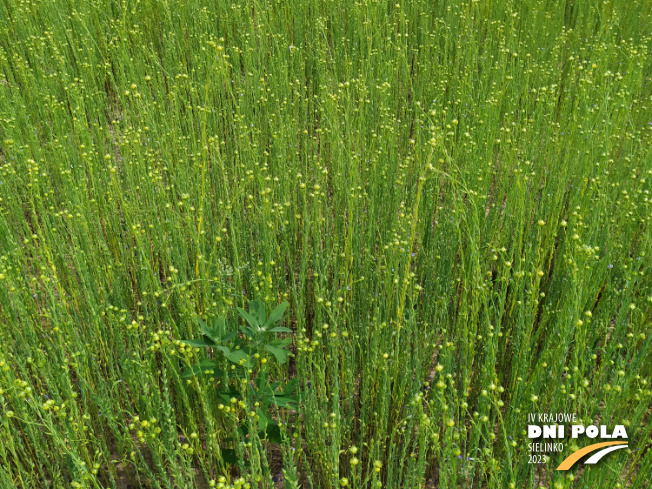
{"x": 557, "y": 432}
{"x": 611, "y": 446}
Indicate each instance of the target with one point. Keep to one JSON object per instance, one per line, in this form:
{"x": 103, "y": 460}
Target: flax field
{"x": 283, "y": 244}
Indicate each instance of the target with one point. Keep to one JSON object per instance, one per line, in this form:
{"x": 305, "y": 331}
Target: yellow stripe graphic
{"x": 571, "y": 459}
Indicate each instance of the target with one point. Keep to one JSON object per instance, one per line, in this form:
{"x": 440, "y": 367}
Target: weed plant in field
{"x": 246, "y": 392}
{"x": 452, "y": 197}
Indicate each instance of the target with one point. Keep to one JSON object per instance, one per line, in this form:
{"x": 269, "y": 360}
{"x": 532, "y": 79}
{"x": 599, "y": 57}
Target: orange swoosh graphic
{"x": 571, "y": 459}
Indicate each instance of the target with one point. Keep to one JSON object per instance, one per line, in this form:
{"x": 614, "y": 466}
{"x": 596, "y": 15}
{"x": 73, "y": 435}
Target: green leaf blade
{"x": 276, "y": 314}
{"x": 281, "y": 355}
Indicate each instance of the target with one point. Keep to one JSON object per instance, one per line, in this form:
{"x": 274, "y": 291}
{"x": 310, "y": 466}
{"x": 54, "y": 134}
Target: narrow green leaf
{"x": 281, "y": 343}
{"x": 238, "y": 355}
{"x": 218, "y": 326}
{"x": 276, "y": 314}
{"x": 206, "y": 331}
{"x": 280, "y": 329}
{"x": 290, "y": 387}
{"x": 263, "y": 419}
{"x": 248, "y": 317}
{"x": 285, "y": 402}
{"x": 229, "y": 337}
{"x": 281, "y": 355}
{"x": 261, "y": 379}
{"x": 247, "y": 331}
{"x": 257, "y": 310}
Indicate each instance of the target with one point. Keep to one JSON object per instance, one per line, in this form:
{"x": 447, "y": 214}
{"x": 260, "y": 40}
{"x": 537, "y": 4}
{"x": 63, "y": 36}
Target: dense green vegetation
{"x": 453, "y": 199}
